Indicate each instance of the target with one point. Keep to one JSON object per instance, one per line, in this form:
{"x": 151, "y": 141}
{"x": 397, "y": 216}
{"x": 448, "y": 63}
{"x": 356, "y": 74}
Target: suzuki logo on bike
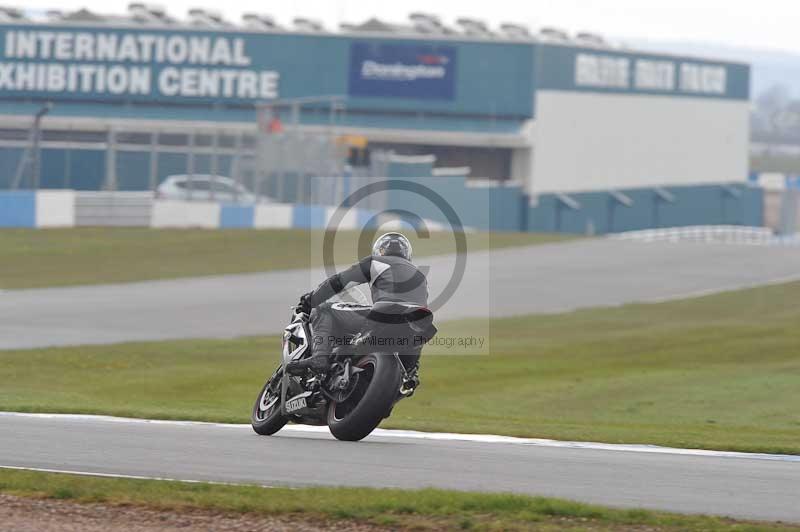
{"x": 295, "y": 404}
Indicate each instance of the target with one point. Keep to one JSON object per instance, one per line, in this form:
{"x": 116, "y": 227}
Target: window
{"x": 227, "y": 141}
{"x": 173, "y": 139}
{"x": 203, "y": 140}
{"x": 69, "y": 135}
{"x": 194, "y": 184}
{"x": 219, "y": 186}
{"x": 14, "y": 134}
{"x": 127, "y": 137}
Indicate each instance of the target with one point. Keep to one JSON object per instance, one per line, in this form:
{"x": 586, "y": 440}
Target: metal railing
{"x": 712, "y": 234}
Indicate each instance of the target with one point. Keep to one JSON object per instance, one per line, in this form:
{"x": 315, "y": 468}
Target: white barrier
{"x": 68, "y": 208}
{"x": 55, "y": 208}
{"x": 711, "y": 234}
{"x": 172, "y": 213}
{"x": 349, "y": 218}
{"x": 273, "y": 216}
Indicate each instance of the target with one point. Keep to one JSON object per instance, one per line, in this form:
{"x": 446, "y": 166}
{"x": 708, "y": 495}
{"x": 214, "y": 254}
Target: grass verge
{"x": 718, "y": 372}
{"x": 415, "y": 509}
{"x": 31, "y": 258}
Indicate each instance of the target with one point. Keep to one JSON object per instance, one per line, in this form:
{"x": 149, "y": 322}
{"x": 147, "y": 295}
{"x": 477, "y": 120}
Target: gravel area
{"x": 23, "y": 514}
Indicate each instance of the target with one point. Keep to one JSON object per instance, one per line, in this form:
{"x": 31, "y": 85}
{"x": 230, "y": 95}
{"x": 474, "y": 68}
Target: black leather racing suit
{"x": 391, "y": 279}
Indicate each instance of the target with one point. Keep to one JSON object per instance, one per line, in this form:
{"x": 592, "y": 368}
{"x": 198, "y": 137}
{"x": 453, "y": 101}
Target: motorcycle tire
{"x": 272, "y": 421}
{"x": 372, "y": 397}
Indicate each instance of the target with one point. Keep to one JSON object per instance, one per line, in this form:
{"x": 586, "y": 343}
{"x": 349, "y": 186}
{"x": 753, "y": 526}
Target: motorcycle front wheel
{"x": 266, "y": 418}
{"x": 373, "y": 393}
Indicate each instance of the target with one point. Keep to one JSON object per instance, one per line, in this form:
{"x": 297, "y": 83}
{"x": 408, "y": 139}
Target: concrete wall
{"x": 587, "y": 141}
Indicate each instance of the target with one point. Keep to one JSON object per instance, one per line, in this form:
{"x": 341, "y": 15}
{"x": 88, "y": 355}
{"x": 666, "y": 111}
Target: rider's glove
{"x": 305, "y": 303}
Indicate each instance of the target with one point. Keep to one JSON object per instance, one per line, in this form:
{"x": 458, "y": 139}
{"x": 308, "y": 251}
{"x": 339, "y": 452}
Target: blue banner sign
{"x": 402, "y": 70}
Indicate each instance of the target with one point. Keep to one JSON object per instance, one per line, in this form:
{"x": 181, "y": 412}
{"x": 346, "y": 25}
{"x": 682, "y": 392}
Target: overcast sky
{"x": 771, "y": 24}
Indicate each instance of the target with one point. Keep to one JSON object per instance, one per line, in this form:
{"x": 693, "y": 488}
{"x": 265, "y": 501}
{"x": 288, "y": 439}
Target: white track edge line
{"x": 436, "y": 436}
{"x": 132, "y": 477}
{"x": 704, "y": 292}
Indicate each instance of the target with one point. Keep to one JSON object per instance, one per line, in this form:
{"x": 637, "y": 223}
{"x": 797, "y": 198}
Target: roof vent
{"x": 427, "y": 23}
{"x": 308, "y": 25}
{"x": 53, "y": 15}
{"x": 255, "y": 21}
{"x": 11, "y": 14}
{"x": 82, "y": 15}
{"x": 147, "y": 13}
{"x": 207, "y": 18}
{"x": 474, "y": 27}
{"x": 591, "y": 39}
{"x": 551, "y": 34}
{"x": 515, "y": 31}
{"x": 373, "y": 25}
{"x": 425, "y": 17}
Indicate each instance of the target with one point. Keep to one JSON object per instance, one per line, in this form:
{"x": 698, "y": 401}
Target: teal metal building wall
{"x": 508, "y": 208}
{"x": 485, "y": 84}
{"x": 601, "y": 212}
{"x": 412, "y": 187}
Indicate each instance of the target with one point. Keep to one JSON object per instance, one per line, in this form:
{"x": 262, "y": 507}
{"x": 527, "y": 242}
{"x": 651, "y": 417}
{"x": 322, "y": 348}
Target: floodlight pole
{"x": 37, "y": 133}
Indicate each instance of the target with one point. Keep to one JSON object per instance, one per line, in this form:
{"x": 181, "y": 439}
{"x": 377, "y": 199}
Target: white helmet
{"x": 393, "y": 244}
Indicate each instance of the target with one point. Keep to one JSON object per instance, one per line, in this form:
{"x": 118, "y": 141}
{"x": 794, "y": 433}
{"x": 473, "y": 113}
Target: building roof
{"x": 418, "y": 25}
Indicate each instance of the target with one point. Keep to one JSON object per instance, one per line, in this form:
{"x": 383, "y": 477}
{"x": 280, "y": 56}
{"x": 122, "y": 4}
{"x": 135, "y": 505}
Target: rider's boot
{"x": 318, "y": 362}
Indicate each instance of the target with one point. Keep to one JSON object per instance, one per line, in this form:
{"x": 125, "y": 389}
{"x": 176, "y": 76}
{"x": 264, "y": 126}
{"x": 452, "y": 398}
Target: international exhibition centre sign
{"x": 133, "y": 64}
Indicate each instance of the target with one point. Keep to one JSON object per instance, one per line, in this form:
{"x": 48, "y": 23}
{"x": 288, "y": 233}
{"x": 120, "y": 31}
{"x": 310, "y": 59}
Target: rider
{"x": 394, "y": 281}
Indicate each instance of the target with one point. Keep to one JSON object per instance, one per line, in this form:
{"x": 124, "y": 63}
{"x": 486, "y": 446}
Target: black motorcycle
{"x": 366, "y": 378}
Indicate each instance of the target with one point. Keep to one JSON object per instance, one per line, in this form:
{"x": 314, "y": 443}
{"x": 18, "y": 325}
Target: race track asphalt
{"x": 512, "y": 281}
{"x": 764, "y": 487}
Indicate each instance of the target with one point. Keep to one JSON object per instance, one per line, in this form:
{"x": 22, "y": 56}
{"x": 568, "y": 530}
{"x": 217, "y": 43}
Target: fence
{"x": 116, "y": 159}
{"x": 273, "y": 157}
{"x": 712, "y": 234}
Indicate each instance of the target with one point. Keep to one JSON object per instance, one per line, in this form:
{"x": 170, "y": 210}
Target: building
{"x": 555, "y": 114}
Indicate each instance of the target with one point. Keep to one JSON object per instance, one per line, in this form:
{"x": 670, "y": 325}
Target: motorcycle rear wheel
{"x": 266, "y": 418}
{"x": 373, "y": 396}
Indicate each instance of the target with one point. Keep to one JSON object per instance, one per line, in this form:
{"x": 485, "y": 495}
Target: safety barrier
{"x": 712, "y": 234}
{"x": 167, "y": 213}
{"x": 130, "y": 209}
{"x": 45, "y": 208}
{"x": 500, "y": 207}
{"x": 67, "y": 208}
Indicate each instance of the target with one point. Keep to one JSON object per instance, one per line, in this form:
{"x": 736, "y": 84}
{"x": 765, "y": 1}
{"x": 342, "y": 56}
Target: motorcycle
{"x": 360, "y": 388}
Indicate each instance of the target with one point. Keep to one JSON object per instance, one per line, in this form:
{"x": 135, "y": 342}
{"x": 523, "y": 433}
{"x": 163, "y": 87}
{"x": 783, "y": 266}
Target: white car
{"x": 203, "y": 187}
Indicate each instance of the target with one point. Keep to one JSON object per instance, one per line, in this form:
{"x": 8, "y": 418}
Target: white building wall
{"x": 591, "y": 141}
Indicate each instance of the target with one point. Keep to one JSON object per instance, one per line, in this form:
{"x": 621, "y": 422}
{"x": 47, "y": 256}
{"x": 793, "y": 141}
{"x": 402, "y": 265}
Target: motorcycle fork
{"x": 284, "y": 389}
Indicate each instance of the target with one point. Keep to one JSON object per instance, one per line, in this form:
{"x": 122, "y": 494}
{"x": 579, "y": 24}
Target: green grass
{"x": 415, "y": 509}
{"x": 719, "y": 372}
{"x": 51, "y": 257}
